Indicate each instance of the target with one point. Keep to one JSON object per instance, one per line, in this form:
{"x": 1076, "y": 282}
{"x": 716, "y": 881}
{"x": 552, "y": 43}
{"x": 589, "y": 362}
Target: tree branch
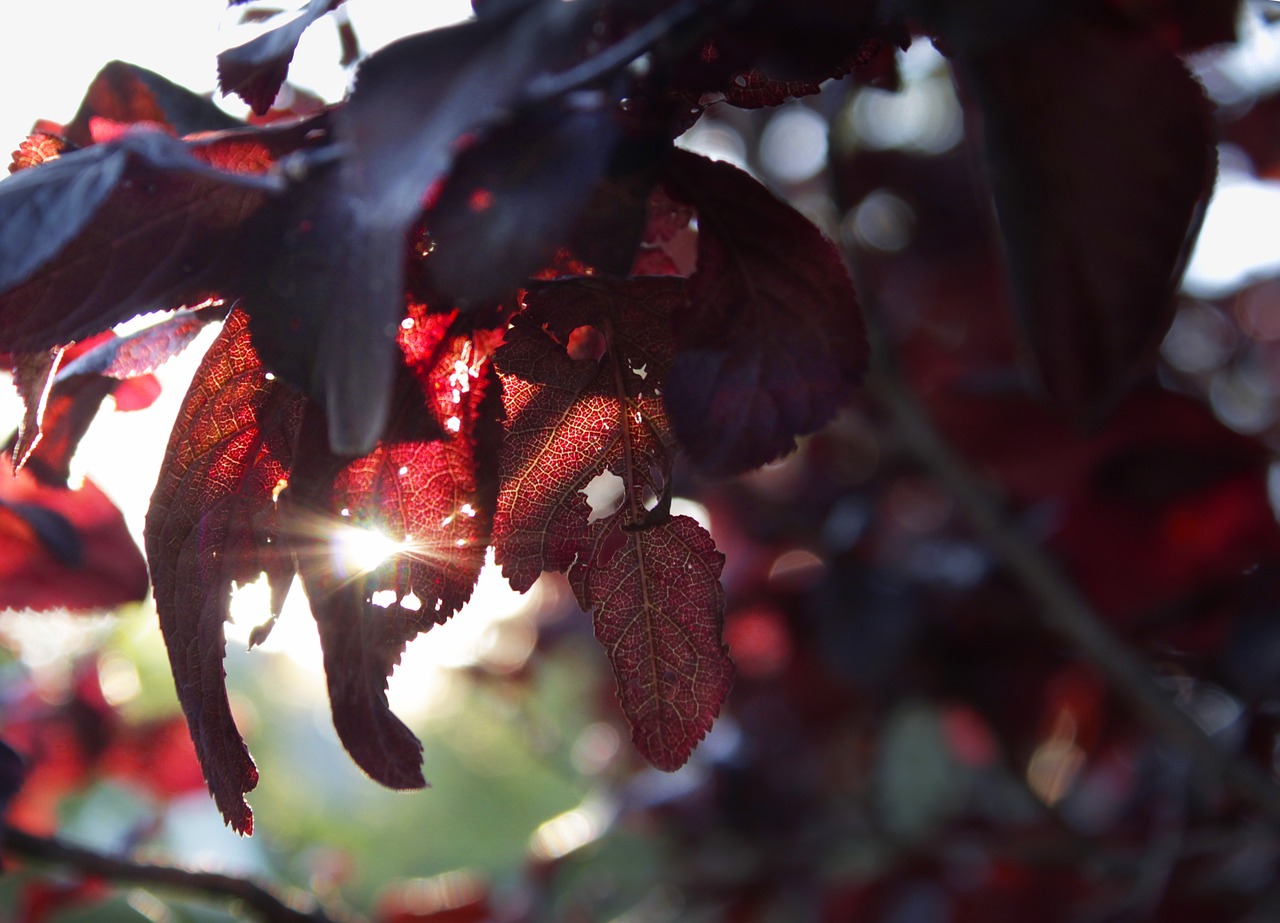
{"x": 1059, "y": 605}
{"x": 270, "y": 904}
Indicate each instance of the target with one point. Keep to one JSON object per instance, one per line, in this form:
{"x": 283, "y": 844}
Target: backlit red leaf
{"x": 659, "y": 611}
{"x": 434, "y": 500}
{"x": 212, "y": 523}
{"x": 773, "y": 343}
{"x": 571, "y": 420}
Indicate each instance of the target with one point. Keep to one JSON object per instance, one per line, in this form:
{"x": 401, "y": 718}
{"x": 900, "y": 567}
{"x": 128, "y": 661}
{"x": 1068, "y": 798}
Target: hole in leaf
{"x": 604, "y": 495}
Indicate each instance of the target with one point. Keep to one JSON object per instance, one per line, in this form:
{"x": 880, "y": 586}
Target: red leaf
{"x": 1100, "y": 146}
{"x": 570, "y": 421}
{"x": 211, "y": 522}
{"x": 434, "y": 500}
{"x": 773, "y": 343}
{"x": 127, "y": 94}
{"x": 659, "y": 611}
{"x": 63, "y": 548}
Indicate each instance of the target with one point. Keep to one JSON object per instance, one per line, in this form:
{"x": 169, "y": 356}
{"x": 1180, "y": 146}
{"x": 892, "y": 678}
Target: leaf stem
{"x": 618, "y": 55}
{"x": 270, "y": 904}
{"x": 1060, "y": 607}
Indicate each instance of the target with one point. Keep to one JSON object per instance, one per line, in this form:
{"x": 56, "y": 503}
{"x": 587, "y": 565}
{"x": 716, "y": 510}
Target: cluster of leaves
{"x": 450, "y": 305}
{"x": 456, "y": 302}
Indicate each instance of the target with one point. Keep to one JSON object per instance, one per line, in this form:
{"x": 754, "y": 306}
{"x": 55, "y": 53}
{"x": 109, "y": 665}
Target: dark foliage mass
{"x": 455, "y": 304}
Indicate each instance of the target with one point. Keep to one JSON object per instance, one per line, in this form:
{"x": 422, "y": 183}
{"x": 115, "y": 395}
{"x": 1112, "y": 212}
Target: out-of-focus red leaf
{"x": 1100, "y": 148}
{"x": 256, "y": 70}
{"x": 773, "y": 343}
{"x": 142, "y": 352}
{"x": 212, "y": 522}
{"x": 157, "y": 756}
{"x": 659, "y": 611}
{"x": 126, "y": 93}
{"x": 453, "y": 897}
{"x": 434, "y": 500}
{"x": 570, "y": 421}
{"x": 63, "y": 548}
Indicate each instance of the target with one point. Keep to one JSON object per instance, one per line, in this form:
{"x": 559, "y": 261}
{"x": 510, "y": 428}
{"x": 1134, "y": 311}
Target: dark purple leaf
{"x": 1100, "y": 146}
{"x": 511, "y": 199}
{"x": 773, "y": 343}
{"x": 256, "y": 70}
{"x": 110, "y": 231}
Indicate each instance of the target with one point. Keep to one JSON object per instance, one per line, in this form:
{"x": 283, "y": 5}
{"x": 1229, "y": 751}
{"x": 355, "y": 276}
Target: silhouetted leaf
{"x": 339, "y": 278}
{"x": 256, "y": 70}
{"x": 659, "y": 611}
{"x": 212, "y": 523}
{"x": 511, "y": 199}
{"x": 1101, "y": 153}
{"x": 773, "y": 343}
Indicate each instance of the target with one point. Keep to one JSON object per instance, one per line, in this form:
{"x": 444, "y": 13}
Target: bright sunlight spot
{"x": 359, "y": 551}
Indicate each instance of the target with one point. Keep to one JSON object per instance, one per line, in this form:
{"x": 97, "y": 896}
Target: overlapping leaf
{"x": 582, "y": 367}
{"x": 102, "y": 234}
{"x": 434, "y": 500}
{"x": 211, "y": 523}
{"x": 773, "y": 344}
{"x": 571, "y": 420}
{"x": 256, "y": 70}
{"x": 125, "y": 93}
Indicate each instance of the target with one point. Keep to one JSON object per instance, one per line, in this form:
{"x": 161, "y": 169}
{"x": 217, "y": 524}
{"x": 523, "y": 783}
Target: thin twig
{"x": 270, "y": 904}
{"x": 1059, "y": 605}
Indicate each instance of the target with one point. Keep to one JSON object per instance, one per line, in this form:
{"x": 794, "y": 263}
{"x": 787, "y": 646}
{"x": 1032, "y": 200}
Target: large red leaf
{"x": 62, "y": 548}
{"x": 212, "y": 523}
{"x": 1100, "y": 147}
{"x": 574, "y": 417}
{"x": 434, "y": 499}
{"x": 773, "y": 344}
{"x": 659, "y": 612}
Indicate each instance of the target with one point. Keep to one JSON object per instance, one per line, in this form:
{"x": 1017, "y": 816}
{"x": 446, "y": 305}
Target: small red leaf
{"x": 212, "y": 523}
{"x": 773, "y": 343}
{"x": 33, "y": 377}
{"x": 570, "y": 420}
{"x": 659, "y": 612}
